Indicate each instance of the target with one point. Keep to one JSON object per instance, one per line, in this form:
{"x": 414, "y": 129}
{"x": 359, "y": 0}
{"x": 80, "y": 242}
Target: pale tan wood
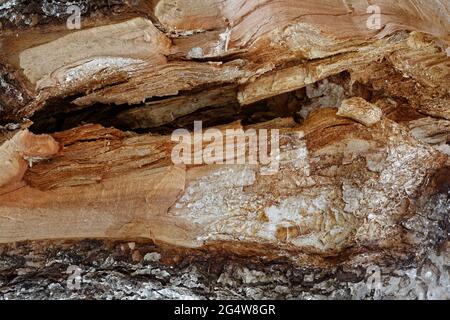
{"x": 106, "y": 184}
{"x": 190, "y": 44}
{"x": 343, "y": 190}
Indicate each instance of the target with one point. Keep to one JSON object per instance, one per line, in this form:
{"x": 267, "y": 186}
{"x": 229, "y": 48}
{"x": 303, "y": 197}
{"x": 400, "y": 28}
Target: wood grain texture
{"x": 187, "y": 45}
{"x": 363, "y": 116}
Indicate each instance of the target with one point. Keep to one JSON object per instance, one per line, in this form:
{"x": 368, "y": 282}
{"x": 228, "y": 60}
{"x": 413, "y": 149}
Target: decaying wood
{"x": 363, "y": 115}
{"x": 348, "y": 188}
{"x": 236, "y": 42}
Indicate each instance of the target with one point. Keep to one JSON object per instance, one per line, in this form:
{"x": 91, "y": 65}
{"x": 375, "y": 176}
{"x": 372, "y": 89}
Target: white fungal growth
{"x": 225, "y": 39}
{"x": 8, "y": 4}
{"x": 86, "y": 70}
{"x": 96, "y": 65}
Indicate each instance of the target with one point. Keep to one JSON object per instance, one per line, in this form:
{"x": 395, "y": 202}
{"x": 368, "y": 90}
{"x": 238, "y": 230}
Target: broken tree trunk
{"x": 360, "y": 101}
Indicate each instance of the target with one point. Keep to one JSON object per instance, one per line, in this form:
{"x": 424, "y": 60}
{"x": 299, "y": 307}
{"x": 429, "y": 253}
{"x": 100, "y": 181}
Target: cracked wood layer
{"x": 168, "y": 49}
{"x": 342, "y": 189}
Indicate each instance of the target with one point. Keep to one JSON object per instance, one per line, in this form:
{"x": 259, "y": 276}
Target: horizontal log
{"x": 347, "y": 189}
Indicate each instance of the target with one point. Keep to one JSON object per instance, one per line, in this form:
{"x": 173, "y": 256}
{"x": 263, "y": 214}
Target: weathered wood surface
{"x": 363, "y": 114}
{"x": 265, "y": 48}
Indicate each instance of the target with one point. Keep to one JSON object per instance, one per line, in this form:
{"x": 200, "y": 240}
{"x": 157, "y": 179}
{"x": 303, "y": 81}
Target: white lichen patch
{"x": 96, "y": 65}
{"x": 444, "y": 148}
{"x": 358, "y": 199}
{"x": 8, "y": 89}
{"x": 310, "y": 220}
{"x": 73, "y": 75}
